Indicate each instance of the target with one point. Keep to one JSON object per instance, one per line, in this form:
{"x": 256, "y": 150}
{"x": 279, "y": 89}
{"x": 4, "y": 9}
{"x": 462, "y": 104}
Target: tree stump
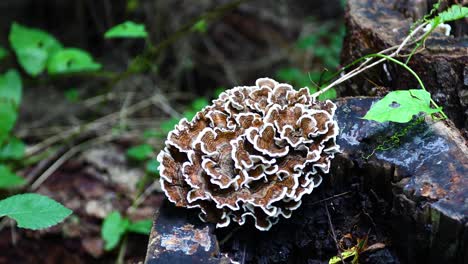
{"x": 412, "y": 199}
{"x": 442, "y": 65}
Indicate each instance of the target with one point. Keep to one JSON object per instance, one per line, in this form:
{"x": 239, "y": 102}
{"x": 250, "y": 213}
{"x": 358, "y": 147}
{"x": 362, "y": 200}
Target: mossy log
{"x": 442, "y": 64}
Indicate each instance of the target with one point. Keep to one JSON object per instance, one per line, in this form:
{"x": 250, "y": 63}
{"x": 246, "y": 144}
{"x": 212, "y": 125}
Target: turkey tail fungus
{"x": 255, "y": 151}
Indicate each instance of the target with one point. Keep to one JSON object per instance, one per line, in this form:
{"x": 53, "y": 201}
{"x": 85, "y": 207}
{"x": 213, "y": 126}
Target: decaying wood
{"x": 419, "y": 189}
{"x": 442, "y": 63}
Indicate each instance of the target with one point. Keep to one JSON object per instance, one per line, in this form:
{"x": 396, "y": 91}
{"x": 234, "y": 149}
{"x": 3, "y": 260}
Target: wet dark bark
{"x": 412, "y": 198}
{"x": 443, "y": 64}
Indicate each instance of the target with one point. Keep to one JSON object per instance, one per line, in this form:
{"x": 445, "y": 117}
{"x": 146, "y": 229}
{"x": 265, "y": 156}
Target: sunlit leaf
{"x": 33, "y": 47}
{"x": 127, "y": 29}
{"x": 11, "y": 87}
{"x": 330, "y": 94}
{"x": 344, "y": 255}
{"x": 455, "y": 12}
{"x": 71, "y": 60}
{"x": 113, "y": 228}
{"x": 401, "y": 106}
{"x": 33, "y": 211}
{"x": 9, "y": 179}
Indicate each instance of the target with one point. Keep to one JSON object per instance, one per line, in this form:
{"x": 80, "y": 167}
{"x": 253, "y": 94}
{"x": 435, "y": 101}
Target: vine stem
{"x": 363, "y": 66}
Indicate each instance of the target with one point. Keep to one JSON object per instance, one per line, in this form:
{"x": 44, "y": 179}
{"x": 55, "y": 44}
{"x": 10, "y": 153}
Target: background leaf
{"x": 3, "y": 53}
{"x": 12, "y": 150}
{"x": 71, "y": 60}
{"x": 140, "y": 152}
{"x": 141, "y": 227}
{"x": 33, "y": 211}
{"x": 33, "y": 47}
{"x": 128, "y": 29}
{"x": 8, "y": 115}
{"x": 328, "y": 95}
{"x": 152, "y": 166}
{"x": 8, "y": 179}
{"x": 113, "y": 229}
{"x": 401, "y": 106}
{"x": 11, "y": 87}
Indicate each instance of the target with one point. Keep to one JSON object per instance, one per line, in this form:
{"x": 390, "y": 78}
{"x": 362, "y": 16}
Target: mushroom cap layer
{"x": 255, "y": 151}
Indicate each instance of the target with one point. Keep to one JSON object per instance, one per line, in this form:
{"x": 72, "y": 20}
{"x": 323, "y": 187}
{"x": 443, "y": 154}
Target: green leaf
{"x": 455, "y": 12}
{"x": 11, "y": 87}
{"x": 72, "y": 95}
{"x": 8, "y": 179}
{"x": 294, "y": 76}
{"x": 199, "y": 103}
{"x": 12, "y": 150}
{"x": 345, "y": 254}
{"x": 3, "y": 53}
{"x": 151, "y": 133}
{"x": 33, "y": 211}
{"x": 328, "y": 95}
{"x": 152, "y": 166}
{"x": 140, "y": 152}
{"x": 189, "y": 115}
{"x": 400, "y": 106}
{"x": 128, "y": 29}
{"x": 141, "y": 227}
{"x": 8, "y": 115}
{"x": 33, "y": 47}
{"x": 71, "y": 60}
{"x": 201, "y": 26}
{"x": 113, "y": 228}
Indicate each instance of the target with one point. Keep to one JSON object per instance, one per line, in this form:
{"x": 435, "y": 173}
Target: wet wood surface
{"x": 420, "y": 185}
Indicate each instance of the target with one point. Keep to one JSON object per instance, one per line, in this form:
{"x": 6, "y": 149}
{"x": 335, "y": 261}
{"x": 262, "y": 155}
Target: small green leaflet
{"x": 328, "y": 95}
{"x": 11, "y": 87}
{"x": 455, "y": 12}
{"x": 141, "y": 227}
{"x": 127, "y": 29}
{"x": 140, "y": 152}
{"x": 201, "y": 26}
{"x": 401, "y": 106}
{"x": 113, "y": 228}
{"x": 3, "y": 53}
{"x": 33, "y": 211}
{"x": 33, "y": 47}
{"x": 8, "y": 179}
{"x": 71, "y": 60}
{"x": 12, "y": 150}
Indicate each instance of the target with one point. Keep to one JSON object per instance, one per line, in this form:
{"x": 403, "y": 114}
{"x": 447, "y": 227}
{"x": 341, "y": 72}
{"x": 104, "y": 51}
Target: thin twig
{"x": 333, "y": 233}
{"x": 329, "y": 198}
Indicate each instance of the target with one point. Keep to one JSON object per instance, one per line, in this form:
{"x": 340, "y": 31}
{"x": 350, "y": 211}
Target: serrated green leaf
{"x": 201, "y": 26}
{"x": 33, "y": 211}
{"x": 3, "y": 53}
{"x": 12, "y": 150}
{"x": 455, "y": 12}
{"x": 33, "y": 47}
{"x": 199, "y": 103}
{"x": 11, "y": 87}
{"x": 140, "y": 152}
{"x": 401, "y": 106}
{"x": 9, "y": 179}
{"x": 328, "y": 95}
{"x": 128, "y": 29}
{"x": 113, "y": 228}
{"x": 141, "y": 227}
{"x": 71, "y": 60}
{"x": 8, "y": 115}
{"x": 152, "y": 167}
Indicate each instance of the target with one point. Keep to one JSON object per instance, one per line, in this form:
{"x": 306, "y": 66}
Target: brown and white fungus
{"x": 255, "y": 151}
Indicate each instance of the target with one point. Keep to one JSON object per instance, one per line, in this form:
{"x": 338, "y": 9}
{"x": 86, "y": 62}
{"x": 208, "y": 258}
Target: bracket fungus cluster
{"x": 255, "y": 151}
